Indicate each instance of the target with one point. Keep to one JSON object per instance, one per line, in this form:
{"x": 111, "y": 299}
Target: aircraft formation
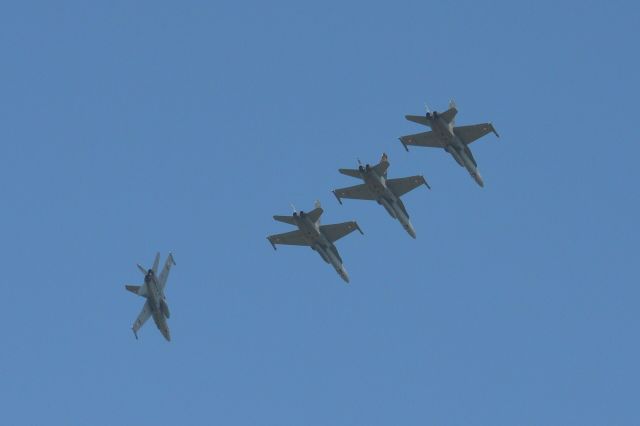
{"x": 375, "y": 186}
{"x": 386, "y": 192}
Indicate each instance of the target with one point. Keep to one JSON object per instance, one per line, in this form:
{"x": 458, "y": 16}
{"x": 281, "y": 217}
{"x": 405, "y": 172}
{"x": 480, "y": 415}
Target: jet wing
{"x": 336, "y": 231}
{"x": 356, "y": 192}
{"x": 293, "y": 238}
{"x": 165, "y": 271}
{"x": 142, "y": 318}
{"x": 428, "y": 139}
{"x": 468, "y": 134}
{"x": 403, "y": 185}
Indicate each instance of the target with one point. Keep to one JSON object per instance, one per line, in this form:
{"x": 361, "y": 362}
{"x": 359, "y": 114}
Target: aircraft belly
{"x": 401, "y": 211}
{"x": 470, "y": 156}
{"x": 455, "y": 155}
{"x": 468, "y": 164}
{"x": 153, "y": 297}
{"x": 321, "y": 251}
{"x": 310, "y": 233}
{"x": 376, "y": 188}
{"x": 444, "y": 134}
{"x": 158, "y": 318}
{"x": 387, "y": 206}
{"x": 161, "y": 323}
{"x": 334, "y": 254}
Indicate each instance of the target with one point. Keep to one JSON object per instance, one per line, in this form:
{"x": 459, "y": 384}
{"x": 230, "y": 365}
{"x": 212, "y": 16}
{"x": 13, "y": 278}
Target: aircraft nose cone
{"x": 344, "y": 275}
{"x": 478, "y": 179}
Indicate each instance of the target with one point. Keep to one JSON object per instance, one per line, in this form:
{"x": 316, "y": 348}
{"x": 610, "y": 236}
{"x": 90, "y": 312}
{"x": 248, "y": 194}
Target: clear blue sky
{"x": 128, "y": 128}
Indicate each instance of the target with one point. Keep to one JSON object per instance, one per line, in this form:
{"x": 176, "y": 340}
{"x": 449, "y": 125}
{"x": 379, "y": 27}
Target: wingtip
{"x": 426, "y": 183}
{"x": 336, "y": 195}
{"x": 495, "y": 132}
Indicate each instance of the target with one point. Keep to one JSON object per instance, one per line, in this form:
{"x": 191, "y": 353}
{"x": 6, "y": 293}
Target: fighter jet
{"x": 386, "y": 192}
{"x": 153, "y": 291}
{"x": 319, "y": 237}
{"x": 454, "y": 140}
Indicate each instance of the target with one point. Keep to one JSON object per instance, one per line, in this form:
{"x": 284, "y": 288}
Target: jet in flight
{"x": 319, "y": 237}
{"x": 153, "y": 291}
{"x": 386, "y": 192}
{"x": 445, "y": 134}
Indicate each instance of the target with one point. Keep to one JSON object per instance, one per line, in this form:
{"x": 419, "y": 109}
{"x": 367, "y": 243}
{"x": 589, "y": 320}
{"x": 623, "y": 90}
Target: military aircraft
{"x": 386, "y": 192}
{"x": 319, "y": 237}
{"x": 454, "y": 140}
{"x": 153, "y": 291}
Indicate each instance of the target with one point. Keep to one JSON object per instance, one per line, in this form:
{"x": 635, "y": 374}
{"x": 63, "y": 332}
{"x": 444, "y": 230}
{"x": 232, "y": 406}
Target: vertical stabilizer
{"x": 317, "y": 207}
{"x": 452, "y": 105}
{"x": 156, "y": 263}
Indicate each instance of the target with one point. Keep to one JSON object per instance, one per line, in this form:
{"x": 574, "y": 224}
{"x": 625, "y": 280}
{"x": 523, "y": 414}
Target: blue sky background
{"x": 128, "y": 128}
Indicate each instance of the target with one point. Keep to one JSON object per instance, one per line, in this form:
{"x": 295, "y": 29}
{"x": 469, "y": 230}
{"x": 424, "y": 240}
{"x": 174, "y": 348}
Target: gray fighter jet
{"x": 319, "y": 237}
{"x": 153, "y": 291}
{"x": 386, "y": 192}
{"x": 454, "y": 140}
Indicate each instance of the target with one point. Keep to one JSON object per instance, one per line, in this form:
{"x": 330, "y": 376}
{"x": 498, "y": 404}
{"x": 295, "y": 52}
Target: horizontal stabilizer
{"x": 351, "y": 172}
{"x": 136, "y": 289}
{"x": 449, "y": 115}
{"x": 420, "y": 119}
{"x": 382, "y": 166}
{"x": 314, "y": 215}
{"x": 285, "y": 219}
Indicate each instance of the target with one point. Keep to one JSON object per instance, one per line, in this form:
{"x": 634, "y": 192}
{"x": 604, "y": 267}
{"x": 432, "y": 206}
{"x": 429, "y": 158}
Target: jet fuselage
{"x": 385, "y": 197}
{"x": 320, "y": 243}
{"x": 454, "y": 146}
{"x": 157, "y": 303}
